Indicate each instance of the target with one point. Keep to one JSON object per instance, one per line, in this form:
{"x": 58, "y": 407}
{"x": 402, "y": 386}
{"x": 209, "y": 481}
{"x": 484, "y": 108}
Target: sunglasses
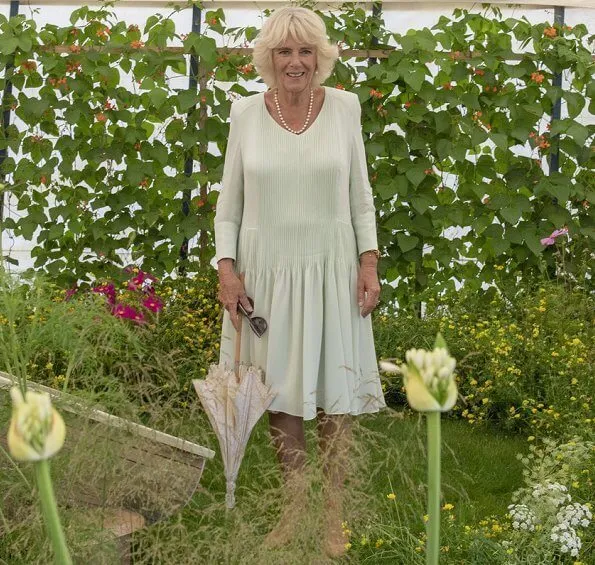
{"x": 258, "y": 324}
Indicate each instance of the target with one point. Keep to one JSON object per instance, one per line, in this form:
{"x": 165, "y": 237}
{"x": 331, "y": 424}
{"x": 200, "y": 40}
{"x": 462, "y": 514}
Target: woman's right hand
{"x": 231, "y": 291}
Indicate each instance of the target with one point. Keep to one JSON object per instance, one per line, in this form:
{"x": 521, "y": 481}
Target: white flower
{"x": 523, "y": 518}
{"x": 554, "y": 493}
{"x": 428, "y": 377}
{"x": 567, "y": 538}
{"x": 575, "y": 514}
{"x": 36, "y": 430}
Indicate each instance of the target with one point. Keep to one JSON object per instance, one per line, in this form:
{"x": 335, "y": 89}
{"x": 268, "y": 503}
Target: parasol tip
{"x": 230, "y": 499}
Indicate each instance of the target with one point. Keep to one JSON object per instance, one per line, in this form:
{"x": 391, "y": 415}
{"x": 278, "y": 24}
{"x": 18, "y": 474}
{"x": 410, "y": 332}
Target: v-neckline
{"x": 324, "y": 104}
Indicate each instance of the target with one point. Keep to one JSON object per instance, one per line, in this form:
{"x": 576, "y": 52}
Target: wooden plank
{"x": 72, "y": 404}
{"x": 129, "y": 472}
{"x": 247, "y": 51}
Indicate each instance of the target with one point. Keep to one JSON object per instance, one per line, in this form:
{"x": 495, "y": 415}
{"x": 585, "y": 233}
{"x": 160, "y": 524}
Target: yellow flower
{"x": 426, "y": 518}
{"x": 531, "y": 438}
{"x": 448, "y": 506}
{"x": 391, "y": 496}
{"x": 379, "y": 542}
{"x": 36, "y": 430}
{"x": 348, "y": 546}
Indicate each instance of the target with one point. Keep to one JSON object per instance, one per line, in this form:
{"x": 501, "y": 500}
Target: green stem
{"x": 50, "y": 513}
{"x": 433, "y": 525}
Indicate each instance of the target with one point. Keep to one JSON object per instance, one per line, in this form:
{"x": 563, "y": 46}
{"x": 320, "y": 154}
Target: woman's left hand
{"x": 368, "y": 287}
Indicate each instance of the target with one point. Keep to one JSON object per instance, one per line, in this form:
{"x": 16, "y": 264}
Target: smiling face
{"x": 294, "y": 64}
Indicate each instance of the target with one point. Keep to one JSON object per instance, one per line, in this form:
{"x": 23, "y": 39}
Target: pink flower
{"x": 552, "y": 238}
{"x": 108, "y": 290}
{"x": 140, "y": 279}
{"x": 70, "y": 293}
{"x": 153, "y": 303}
{"x": 128, "y": 312}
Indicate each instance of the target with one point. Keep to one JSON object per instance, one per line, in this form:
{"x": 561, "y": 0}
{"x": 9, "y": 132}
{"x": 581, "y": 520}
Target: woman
{"x": 296, "y": 215}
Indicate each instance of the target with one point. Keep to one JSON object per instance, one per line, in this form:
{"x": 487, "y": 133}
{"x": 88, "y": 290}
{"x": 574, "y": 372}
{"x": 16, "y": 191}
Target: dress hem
{"x": 352, "y": 413}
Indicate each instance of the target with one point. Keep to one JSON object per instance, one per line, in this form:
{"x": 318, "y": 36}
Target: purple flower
{"x": 153, "y": 303}
{"x": 552, "y": 238}
{"x": 108, "y": 290}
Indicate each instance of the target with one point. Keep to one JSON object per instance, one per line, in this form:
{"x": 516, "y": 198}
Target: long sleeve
{"x": 230, "y": 205}
{"x": 363, "y": 213}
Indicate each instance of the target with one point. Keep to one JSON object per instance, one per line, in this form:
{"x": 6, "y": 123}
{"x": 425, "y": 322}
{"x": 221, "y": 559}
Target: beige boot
{"x": 335, "y": 537}
{"x": 295, "y": 508}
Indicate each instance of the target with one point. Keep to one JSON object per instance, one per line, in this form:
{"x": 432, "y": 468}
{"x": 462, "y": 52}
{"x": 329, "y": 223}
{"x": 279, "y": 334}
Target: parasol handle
{"x": 236, "y": 365}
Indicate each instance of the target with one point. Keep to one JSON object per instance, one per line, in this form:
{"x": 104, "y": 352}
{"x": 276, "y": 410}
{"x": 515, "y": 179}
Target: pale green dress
{"x": 295, "y": 212}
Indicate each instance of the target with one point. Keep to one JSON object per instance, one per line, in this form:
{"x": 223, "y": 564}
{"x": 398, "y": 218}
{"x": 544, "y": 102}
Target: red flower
{"x": 128, "y": 312}
{"x": 140, "y": 279}
{"x": 153, "y": 303}
{"x": 69, "y": 293}
{"x": 339, "y": 86}
{"x": 108, "y": 290}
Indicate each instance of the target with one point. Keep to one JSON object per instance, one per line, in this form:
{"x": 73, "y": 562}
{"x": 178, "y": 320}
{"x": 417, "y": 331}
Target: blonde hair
{"x": 302, "y": 25}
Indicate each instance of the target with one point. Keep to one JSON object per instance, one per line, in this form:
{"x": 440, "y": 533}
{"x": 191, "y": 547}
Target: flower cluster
{"x": 567, "y": 538}
{"x": 575, "y": 514}
{"x": 135, "y": 302}
{"x": 522, "y": 517}
{"x": 553, "y": 492}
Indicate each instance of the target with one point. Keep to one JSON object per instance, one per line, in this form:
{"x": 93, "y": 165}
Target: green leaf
{"x": 443, "y": 148}
{"x": 158, "y": 96}
{"x": 407, "y": 242}
{"x": 575, "y": 102}
{"x": 8, "y": 45}
{"x": 187, "y": 99}
{"x": 500, "y": 140}
{"x": 579, "y": 133}
{"x": 415, "y": 79}
{"x": 416, "y": 174}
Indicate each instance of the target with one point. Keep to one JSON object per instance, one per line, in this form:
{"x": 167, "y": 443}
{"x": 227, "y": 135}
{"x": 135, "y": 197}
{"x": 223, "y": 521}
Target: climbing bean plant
{"x": 458, "y": 134}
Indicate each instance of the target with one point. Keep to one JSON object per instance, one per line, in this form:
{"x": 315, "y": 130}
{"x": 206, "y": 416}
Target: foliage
{"x": 523, "y": 360}
{"x": 156, "y": 352}
{"x": 522, "y": 535}
{"x": 106, "y": 169}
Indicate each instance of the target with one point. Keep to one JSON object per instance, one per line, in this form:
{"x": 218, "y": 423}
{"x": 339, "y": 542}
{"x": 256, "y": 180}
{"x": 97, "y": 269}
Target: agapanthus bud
{"x": 36, "y": 430}
{"x": 428, "y": 378}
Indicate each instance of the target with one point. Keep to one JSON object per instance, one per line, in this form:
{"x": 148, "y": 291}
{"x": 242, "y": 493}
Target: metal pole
{"x": 556, "y": 112}
{"x": 189, "y": 163}
{"x": 14, "y": 10}
{"x": 376, "y": 12}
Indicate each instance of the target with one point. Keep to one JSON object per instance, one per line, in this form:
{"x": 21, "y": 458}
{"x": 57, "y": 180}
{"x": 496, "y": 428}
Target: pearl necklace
{"x": 297, "y": 132}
